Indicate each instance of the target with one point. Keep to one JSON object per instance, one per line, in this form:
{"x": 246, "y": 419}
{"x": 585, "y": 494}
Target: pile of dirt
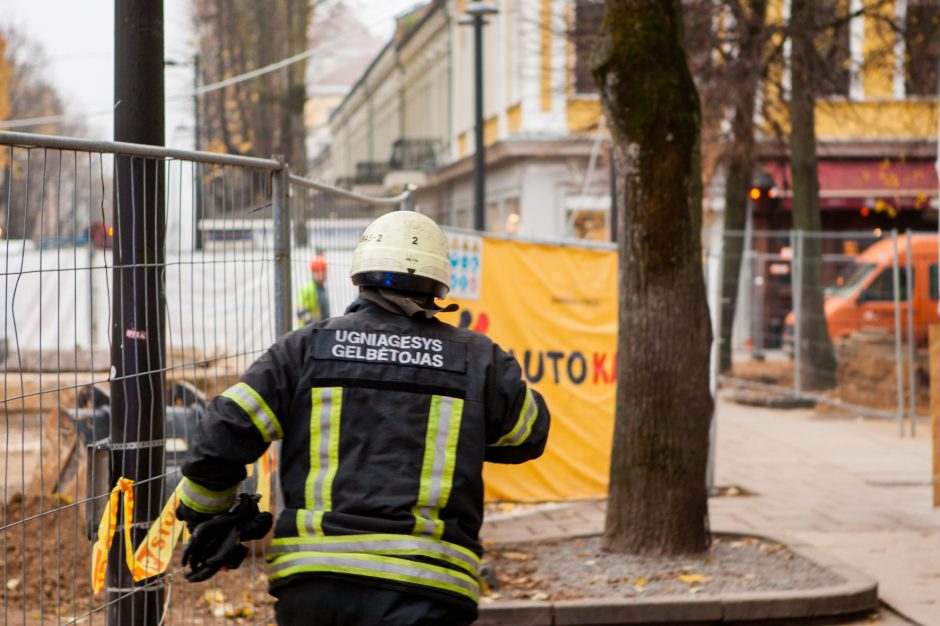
{"x": 46, "y": 573}
{"x": 46, "y": 558}
{"x": 867, "y": 372}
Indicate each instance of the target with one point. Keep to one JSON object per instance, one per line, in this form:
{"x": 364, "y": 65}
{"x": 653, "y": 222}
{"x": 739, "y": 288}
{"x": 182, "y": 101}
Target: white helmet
{"x": 403, "y": 250}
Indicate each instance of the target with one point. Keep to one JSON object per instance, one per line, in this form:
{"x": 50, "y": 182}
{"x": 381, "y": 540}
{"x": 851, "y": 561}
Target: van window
{"x": 849, "y": 278}
{"x": 934, "y": 289}
{"x": 882, "y": 288}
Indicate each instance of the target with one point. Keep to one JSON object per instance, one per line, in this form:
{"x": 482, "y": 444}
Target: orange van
{"x": 862, "y": 296}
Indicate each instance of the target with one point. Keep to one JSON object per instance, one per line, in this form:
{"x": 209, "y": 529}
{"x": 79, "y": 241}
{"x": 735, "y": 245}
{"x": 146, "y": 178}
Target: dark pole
{"x": 137, "y": 377}
{"x": 479, "y": 165}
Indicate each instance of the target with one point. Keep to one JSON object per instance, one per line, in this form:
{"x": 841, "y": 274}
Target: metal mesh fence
{"x": 837, "y": 318}
{"x": 103, "y": 247}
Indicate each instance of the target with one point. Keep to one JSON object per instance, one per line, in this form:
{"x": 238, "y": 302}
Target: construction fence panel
{"x": 220, "y": 272}
{"x": 835, "y": 318}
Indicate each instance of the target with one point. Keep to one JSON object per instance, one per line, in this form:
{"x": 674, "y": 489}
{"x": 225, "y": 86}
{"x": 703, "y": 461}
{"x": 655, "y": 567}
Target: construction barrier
{"x": 555, "y": 308}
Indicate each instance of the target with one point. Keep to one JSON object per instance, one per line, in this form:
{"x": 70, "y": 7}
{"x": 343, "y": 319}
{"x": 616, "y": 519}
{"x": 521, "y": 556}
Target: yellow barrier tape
{"x": 154, "y": 554}
{"x": 106, "y": 530}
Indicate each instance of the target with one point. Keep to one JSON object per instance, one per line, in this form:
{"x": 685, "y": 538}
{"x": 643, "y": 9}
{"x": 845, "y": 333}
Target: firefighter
{"x": 312, "y": 302}
{"x": 385, "y": 416}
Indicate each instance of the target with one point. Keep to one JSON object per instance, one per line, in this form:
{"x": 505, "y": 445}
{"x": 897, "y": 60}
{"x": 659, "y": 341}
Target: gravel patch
{"x": 576, "y": 568}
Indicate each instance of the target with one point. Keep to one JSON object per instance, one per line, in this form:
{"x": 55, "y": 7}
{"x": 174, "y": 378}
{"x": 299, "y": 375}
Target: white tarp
{"x": 219, "y": 302}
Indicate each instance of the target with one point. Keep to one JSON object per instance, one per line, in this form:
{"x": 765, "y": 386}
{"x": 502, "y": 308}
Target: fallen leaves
{"x": 215, "y": 601}
{"x": 572, "y": 569}
{"x": 693, "y": 579}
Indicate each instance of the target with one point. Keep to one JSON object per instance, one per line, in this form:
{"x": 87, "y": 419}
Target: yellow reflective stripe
{"x": 450, "y": 457}
{"x": 387, "y": 544}
{"x": 326, "y": 407}
{"x": 257, "y": 409}
{"x": 203, "y": 500}
{"x": 301, "y": 520}
{"x": 523, "y": 427}
{"x": 437, "y": 471}
{"x": 375, "y": 566}
{"x": 427, "y": 465}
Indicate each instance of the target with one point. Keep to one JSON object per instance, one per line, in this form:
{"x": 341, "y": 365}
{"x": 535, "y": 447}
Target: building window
{"x": 833, "y": 55}
{"x": 587, "y": 22}
{"x": 922, "y": 47}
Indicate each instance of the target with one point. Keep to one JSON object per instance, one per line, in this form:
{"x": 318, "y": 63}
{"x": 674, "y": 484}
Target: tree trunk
{"x": 745, "y": 77}
{"x": 657, "y": 501}
{"x": 740, "y": 169}
{"x": 818, "y": 364}
{"x": 292, "y": 122}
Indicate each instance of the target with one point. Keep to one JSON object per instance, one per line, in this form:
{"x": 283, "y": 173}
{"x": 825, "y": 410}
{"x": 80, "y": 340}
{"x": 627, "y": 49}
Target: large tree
{"x": 657, "y": 501}
{"x": 263, "y": 115}
{"x": 817, "y": 355}
{"x": 34, "y": 180}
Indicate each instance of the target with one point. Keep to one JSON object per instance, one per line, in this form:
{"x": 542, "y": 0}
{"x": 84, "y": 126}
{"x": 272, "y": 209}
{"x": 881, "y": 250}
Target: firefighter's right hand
{"x": 209, "y": 547}
{"x": 216, "y": 543}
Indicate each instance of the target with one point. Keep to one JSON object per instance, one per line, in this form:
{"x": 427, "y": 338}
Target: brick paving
{"x": 849, "y": 487}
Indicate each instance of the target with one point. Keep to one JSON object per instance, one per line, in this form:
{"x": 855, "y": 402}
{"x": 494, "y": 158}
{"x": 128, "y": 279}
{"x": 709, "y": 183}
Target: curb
{"x": 772, "y": 400}
{"x": 859, "y": 593}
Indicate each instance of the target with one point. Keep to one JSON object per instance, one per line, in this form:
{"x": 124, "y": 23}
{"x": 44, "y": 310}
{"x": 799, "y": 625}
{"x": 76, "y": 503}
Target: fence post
{"x": 138, "y": 307}
{"x": 911, "y": 383}
{"x": 408, "y": 204}
{"x": 796, "y": 241}
{"x": 280, "y": 192}
{"x": 933, "y": 334}
{"x": 899, "y": 365}
{"x": 715, "y": 296}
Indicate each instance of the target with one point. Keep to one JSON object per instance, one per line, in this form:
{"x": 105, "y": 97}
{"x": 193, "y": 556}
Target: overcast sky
{"x": 78, "y": 41}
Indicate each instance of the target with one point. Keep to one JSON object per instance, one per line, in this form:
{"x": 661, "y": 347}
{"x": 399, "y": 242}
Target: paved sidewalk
{"x": 851, "y": 488}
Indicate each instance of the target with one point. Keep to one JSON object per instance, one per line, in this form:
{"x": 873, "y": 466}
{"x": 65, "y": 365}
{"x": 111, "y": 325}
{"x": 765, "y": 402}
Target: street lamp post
{"x": 476, "y": 16}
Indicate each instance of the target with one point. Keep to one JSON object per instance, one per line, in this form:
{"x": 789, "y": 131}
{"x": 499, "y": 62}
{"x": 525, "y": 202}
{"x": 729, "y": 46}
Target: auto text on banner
{"x": 555, "y": 308}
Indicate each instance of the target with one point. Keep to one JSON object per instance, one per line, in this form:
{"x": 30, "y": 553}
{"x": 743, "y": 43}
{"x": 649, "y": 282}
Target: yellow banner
{"x": 555, "y": 308}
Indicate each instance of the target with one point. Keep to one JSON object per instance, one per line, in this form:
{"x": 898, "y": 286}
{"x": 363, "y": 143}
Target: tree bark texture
{"x": 818, "y": 363}
{"x": 657, "y": 501}
{"x": 743, "y": 80}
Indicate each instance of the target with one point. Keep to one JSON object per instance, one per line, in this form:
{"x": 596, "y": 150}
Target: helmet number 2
{"x": 414, "y": 241}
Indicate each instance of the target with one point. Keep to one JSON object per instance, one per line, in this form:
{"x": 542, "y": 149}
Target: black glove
{"x": 216, "y": 543}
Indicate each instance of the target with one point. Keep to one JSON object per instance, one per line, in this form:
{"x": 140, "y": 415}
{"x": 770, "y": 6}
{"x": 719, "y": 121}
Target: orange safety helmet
{"x": 318, "y": 263}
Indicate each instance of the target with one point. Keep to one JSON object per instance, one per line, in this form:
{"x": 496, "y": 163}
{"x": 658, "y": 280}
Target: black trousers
{"x": 315, "y": 601}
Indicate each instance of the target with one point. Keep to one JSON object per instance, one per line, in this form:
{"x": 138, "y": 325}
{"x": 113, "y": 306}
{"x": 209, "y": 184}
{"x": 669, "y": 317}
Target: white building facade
{"x": 410, "y": 119}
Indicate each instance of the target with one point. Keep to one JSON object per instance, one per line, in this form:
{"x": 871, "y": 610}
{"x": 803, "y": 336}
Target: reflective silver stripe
{"x": 523, "y": 427}
{"x": 257, "y": 409}
{"x": 381, "y": 544}
{"x": 376, "y": 566}
{"x": 203, "y": 500}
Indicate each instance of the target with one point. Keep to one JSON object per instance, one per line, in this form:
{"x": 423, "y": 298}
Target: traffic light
{"x": 763, "y": 193}
{"x": 764, "y": 199}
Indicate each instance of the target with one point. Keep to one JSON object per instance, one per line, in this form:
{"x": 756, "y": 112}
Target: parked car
{"x": 862, "y": 296}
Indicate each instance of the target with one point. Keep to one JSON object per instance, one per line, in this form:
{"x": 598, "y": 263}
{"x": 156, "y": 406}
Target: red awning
{"x": 852, "y": 184}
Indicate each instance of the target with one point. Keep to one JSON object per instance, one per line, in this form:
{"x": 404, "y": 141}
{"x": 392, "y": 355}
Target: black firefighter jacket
{"x": 385, "y": 422}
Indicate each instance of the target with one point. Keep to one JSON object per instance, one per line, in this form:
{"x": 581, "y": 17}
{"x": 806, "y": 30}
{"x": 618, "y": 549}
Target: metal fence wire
{"x": 137, "y": 282}
{"x": 848, "y": 330}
